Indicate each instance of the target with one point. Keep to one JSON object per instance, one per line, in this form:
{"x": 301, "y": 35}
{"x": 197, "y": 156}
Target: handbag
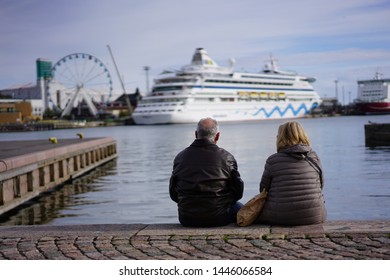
{"x": 251, "y": 210}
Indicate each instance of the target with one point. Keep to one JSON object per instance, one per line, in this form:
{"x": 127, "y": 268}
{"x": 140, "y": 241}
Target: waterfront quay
{"x": 29, "y": 168}
{"x": 334, "y": 240}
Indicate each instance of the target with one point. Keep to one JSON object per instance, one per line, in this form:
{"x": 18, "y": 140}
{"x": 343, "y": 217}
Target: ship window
{"x": 227, "y": 99}
{"x": 205, "y": 99}
{"x": 168, "y": 88}
{"x": 249, "y": 82}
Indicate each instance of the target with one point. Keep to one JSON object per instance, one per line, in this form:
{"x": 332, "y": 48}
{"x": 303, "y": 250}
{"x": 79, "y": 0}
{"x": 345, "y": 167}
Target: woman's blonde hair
{"x": 289, "y": 134}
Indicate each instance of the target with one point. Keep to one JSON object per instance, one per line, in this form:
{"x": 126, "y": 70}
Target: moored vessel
{"x": 373, "y": 96}
{"x": 203, "y": 88}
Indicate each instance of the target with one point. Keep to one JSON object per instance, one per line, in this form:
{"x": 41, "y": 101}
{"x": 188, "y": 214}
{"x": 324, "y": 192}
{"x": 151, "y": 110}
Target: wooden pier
{"x": 29, "y": 168}
{"x": 377, "y": 134}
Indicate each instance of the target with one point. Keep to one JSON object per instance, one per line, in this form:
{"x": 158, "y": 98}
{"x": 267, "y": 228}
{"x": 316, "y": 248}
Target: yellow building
{"x": 15, "y": 112}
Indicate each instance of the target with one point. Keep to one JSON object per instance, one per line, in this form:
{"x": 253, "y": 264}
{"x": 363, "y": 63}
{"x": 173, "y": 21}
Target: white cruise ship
{"x": 204, "y": 89}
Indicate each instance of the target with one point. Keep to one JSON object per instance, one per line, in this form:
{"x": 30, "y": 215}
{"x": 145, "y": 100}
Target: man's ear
{"x": 216, "y": 137}
{"x": 196, "y": 134}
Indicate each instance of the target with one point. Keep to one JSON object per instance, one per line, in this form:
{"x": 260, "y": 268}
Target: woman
{"x": 295, "y": 181}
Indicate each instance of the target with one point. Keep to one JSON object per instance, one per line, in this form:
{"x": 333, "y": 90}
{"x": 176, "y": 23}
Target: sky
{"x": 330, "y": 40}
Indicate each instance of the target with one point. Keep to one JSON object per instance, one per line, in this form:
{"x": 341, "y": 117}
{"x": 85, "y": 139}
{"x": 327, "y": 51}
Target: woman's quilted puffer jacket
{"x": 295, "y": 188}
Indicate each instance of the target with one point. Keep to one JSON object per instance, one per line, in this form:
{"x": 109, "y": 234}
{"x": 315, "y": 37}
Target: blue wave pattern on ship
{"x": 282, "y": 113}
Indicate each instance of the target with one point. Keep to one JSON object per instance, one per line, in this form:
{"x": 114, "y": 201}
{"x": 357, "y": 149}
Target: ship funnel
{"x": 201, "y": 57}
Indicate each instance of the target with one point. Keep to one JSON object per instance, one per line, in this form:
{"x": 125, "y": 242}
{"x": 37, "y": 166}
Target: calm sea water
{"x": 134, "y": 188}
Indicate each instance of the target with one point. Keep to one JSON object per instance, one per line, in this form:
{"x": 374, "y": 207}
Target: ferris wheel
{"x": 78, "y": 79}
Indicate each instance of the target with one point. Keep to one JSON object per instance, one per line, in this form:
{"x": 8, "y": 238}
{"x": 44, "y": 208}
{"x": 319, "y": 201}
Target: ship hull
{"x": 374, "y": 108}
{"x": 255, "y": 111}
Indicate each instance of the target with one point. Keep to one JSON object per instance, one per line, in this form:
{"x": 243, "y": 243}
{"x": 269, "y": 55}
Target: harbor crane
{"x": 130, "y": 108}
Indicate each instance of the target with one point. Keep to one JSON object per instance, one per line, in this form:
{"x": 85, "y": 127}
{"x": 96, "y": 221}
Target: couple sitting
{"x": 206, "y": 184}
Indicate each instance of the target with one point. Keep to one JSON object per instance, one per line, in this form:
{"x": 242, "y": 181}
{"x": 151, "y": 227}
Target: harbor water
{"x": 134, "y": 187}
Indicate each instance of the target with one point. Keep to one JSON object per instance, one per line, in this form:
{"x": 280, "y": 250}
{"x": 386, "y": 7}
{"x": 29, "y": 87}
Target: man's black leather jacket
{"x": 205, "y": 183}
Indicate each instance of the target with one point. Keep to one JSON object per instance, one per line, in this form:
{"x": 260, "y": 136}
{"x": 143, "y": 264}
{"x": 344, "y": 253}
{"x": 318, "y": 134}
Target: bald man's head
{"x": 207, "y": 129}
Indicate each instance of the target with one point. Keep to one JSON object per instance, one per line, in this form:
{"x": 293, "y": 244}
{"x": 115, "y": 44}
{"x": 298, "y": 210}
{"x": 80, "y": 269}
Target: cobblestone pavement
{"x": 333, "y": 240}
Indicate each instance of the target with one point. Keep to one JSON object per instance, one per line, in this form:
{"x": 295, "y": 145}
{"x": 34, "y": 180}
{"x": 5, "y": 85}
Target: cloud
{"x": 326, "y": 39}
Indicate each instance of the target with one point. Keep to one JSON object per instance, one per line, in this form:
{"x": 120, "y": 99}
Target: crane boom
{"x": 121, "y": 81}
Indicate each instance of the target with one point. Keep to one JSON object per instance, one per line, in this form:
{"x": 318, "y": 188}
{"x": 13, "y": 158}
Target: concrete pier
{"x": 28, "y": 168}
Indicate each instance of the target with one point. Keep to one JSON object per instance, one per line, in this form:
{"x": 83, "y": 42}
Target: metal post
{"x": 147, "y": 68}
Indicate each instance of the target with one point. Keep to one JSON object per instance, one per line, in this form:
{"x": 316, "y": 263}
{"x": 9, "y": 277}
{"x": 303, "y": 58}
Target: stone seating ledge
{"x": 380, "y": 226}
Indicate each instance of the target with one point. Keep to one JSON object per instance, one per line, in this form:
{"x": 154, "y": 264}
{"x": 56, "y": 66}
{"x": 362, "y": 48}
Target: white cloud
{"x": 326, "y": 39}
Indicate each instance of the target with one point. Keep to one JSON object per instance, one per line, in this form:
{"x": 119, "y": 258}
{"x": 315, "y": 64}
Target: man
{"x": 205, "y": 181}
